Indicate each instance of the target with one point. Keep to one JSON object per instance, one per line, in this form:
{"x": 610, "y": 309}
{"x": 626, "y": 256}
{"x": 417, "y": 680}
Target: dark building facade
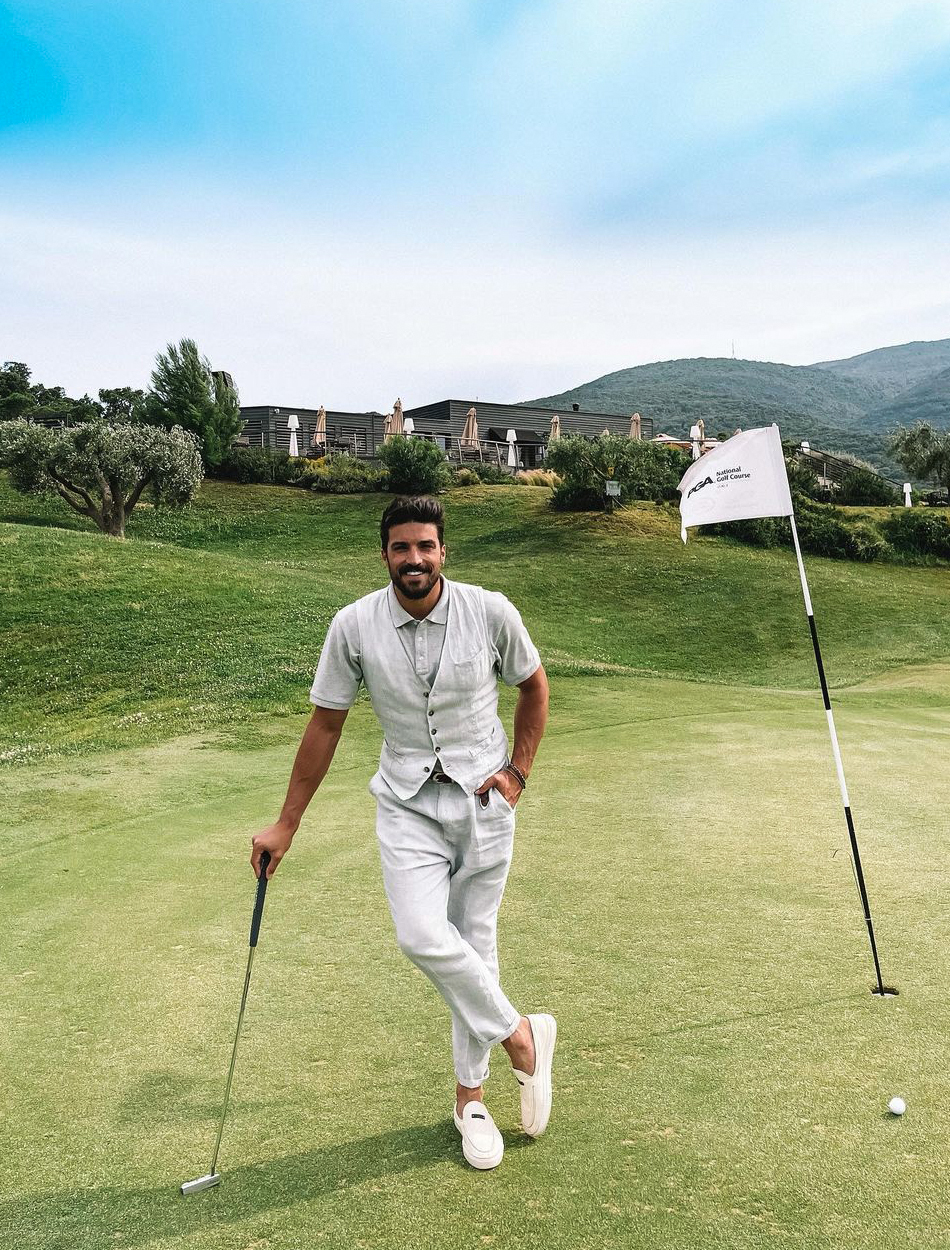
{"x": 360, "y": 433}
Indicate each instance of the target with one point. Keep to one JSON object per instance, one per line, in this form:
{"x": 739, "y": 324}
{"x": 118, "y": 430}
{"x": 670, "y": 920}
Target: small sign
{"x": 613, "y": 489}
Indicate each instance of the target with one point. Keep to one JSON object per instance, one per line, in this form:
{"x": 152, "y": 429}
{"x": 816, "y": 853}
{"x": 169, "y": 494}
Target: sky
{"x": 348, "y": 202}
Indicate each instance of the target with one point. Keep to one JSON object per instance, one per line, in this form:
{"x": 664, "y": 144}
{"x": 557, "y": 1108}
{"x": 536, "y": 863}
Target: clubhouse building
{"x": 445, "y": 422}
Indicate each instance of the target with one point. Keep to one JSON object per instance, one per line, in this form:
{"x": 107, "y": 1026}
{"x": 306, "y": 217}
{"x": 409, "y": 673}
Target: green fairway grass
{"x": 681, "y": 897}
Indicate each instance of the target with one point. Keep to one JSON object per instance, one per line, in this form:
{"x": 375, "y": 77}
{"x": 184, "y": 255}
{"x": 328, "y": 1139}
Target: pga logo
{"x": 699, "y": 486}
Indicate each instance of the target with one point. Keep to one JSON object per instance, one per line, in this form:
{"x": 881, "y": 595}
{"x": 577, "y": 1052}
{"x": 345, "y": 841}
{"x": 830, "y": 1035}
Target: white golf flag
{"x": 744, "y": 477}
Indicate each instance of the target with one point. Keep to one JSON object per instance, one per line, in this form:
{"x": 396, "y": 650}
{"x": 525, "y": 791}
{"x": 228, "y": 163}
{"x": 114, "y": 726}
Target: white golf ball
{"x": 897, "y": 1106}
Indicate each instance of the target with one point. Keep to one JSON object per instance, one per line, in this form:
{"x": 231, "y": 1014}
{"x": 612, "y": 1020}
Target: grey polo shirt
{"x": 338, "y": 676}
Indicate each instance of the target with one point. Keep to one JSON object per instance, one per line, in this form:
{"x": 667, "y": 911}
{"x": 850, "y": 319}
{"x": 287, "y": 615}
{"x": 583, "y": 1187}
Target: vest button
{"x": 425, "y": 768}
{"x": 437, "y": 750}
{"x": 432, "y": 713}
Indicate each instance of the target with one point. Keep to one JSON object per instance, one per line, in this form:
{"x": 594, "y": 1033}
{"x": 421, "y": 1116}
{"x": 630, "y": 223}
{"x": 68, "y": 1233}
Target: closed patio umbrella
{"x": 397, "y": 425}
{"x": 635, "y": 426}
{"x": 512, "y": 449}
{"x": 319, "y": 440}
{"x": 470, "y": 433}
{"x": 555, "y": 428}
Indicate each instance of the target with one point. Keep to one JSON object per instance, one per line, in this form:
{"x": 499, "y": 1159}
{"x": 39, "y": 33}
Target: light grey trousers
{"x": 445, "y": 862}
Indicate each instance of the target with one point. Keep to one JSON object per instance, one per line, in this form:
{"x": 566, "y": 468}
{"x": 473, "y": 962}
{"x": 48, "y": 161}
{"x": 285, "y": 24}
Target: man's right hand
{"x": 276, "y": 839}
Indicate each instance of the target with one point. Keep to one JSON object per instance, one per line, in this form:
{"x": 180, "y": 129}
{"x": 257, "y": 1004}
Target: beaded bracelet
{"x": 516, "y": 772}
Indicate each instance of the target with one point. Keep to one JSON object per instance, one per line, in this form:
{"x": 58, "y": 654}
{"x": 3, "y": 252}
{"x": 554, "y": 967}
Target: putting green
{"x": 681, "y": 898}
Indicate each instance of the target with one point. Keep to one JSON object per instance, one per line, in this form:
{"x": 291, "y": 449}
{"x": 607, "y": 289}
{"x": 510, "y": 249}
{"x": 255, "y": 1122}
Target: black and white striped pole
{"x": 880, "y": 988}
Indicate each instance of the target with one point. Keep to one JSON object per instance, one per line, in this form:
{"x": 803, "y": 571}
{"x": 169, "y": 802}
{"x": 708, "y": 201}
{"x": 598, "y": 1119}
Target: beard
{"x": 415, "y": 587}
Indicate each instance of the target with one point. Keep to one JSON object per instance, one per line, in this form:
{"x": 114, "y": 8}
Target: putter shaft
{"x": 212, "y": 1176}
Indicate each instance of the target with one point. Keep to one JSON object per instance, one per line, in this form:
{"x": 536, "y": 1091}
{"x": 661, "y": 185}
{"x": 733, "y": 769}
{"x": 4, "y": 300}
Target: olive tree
{"x": 102, "y": 470}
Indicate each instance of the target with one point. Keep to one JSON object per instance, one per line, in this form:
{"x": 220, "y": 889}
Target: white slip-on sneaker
{"x": 482, "y": 1144}
{"x": 536, "y": 1090}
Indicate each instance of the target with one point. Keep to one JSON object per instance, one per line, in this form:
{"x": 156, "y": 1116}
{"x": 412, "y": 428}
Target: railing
{"x": 834, "y": 469}
{"x": 459, "y": 450}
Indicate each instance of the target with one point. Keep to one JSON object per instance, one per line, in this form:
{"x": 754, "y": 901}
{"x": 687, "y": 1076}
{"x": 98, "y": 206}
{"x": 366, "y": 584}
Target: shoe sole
{"x": 482, "y": 1162}
{"x": 544, "y": 1031}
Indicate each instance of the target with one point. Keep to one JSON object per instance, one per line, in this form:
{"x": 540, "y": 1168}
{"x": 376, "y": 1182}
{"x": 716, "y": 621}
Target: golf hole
{"x": 889, "y": 992}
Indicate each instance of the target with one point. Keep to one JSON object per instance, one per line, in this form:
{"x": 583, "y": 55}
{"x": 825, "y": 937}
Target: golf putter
{"x": 213, "y": 1176}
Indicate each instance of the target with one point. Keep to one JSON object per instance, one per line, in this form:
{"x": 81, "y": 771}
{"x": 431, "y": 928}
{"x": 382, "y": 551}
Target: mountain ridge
{"x": 847, "y": 405}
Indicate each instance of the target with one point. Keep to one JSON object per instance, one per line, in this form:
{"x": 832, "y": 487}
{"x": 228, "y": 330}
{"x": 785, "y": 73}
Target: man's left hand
{"x": 503, "y": 781}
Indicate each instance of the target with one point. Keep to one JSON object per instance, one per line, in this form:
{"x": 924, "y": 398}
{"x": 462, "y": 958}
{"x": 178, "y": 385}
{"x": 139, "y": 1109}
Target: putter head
{"x": 203, "y": 1182}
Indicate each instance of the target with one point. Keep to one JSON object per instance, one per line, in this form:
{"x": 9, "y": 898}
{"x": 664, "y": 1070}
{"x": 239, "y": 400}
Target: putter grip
{"x": 259, "y": 900}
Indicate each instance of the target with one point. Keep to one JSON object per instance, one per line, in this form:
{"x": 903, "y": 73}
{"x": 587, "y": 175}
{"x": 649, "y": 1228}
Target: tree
{"x": 924, "y": 452}
{"x": 100, "y": 470}
{"x": 122, "y": 404}
{"x": 185, "y": 393}
{"x": 16, "y": 397}
{"x": 21, "y": 398}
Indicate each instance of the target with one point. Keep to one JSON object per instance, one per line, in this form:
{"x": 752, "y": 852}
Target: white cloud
{"x": 602, "y": 96}
{"x": 353, "y": 316}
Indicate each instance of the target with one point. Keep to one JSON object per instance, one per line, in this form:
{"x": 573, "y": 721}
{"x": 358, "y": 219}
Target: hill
{"x": 216, "y": 615}
{"x": 806, "y": 401}
{"x": 894, "y": 369}
{"x": 928, "y": 401}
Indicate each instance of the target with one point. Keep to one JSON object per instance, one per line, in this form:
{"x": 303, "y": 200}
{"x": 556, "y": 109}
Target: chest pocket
{"x": 469, "y": 672}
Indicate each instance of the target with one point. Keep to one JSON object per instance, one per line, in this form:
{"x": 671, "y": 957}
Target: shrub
{"x": 822, "y": 531}
{"x": 767, "y": 531}
{"x": 867, "y": 543}
{"x": 255, "y": 465}
{"x": 864, "y": 487}
{"x": 918, "y": 533}
{"x": 344, "y": 475}
{"x": 466, "y": 477}
{"x": 644, "y": 470}
{"x": 416, "y": 466}
{"x": 803, "y": 478}
{"x": 537, "y": 477}
{"x": 488, "y": 473}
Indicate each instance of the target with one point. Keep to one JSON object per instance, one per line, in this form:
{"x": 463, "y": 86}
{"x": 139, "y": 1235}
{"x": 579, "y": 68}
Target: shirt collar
{"x": 438, "y": 616}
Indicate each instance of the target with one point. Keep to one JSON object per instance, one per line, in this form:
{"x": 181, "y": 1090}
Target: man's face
{"x": 414, "y": 557}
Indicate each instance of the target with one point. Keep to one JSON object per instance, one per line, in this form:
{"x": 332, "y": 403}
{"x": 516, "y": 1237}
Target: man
{"x": 429, "y": 652}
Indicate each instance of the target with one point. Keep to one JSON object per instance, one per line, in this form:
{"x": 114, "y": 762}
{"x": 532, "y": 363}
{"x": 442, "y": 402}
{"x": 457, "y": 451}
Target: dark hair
{"x": 408, "y": 508}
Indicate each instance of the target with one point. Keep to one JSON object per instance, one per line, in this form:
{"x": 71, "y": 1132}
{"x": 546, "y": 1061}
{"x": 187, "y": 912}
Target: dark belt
{"x": 443, "y": 778}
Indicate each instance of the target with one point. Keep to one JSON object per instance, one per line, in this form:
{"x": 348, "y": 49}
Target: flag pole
{"x": 855, "y": 853}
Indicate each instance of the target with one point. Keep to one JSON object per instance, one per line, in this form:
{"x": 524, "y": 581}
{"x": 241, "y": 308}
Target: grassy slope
{"x": 217, "y": 615}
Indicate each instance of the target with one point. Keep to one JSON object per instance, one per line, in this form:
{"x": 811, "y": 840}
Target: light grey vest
{"x": 456, "y": 724}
